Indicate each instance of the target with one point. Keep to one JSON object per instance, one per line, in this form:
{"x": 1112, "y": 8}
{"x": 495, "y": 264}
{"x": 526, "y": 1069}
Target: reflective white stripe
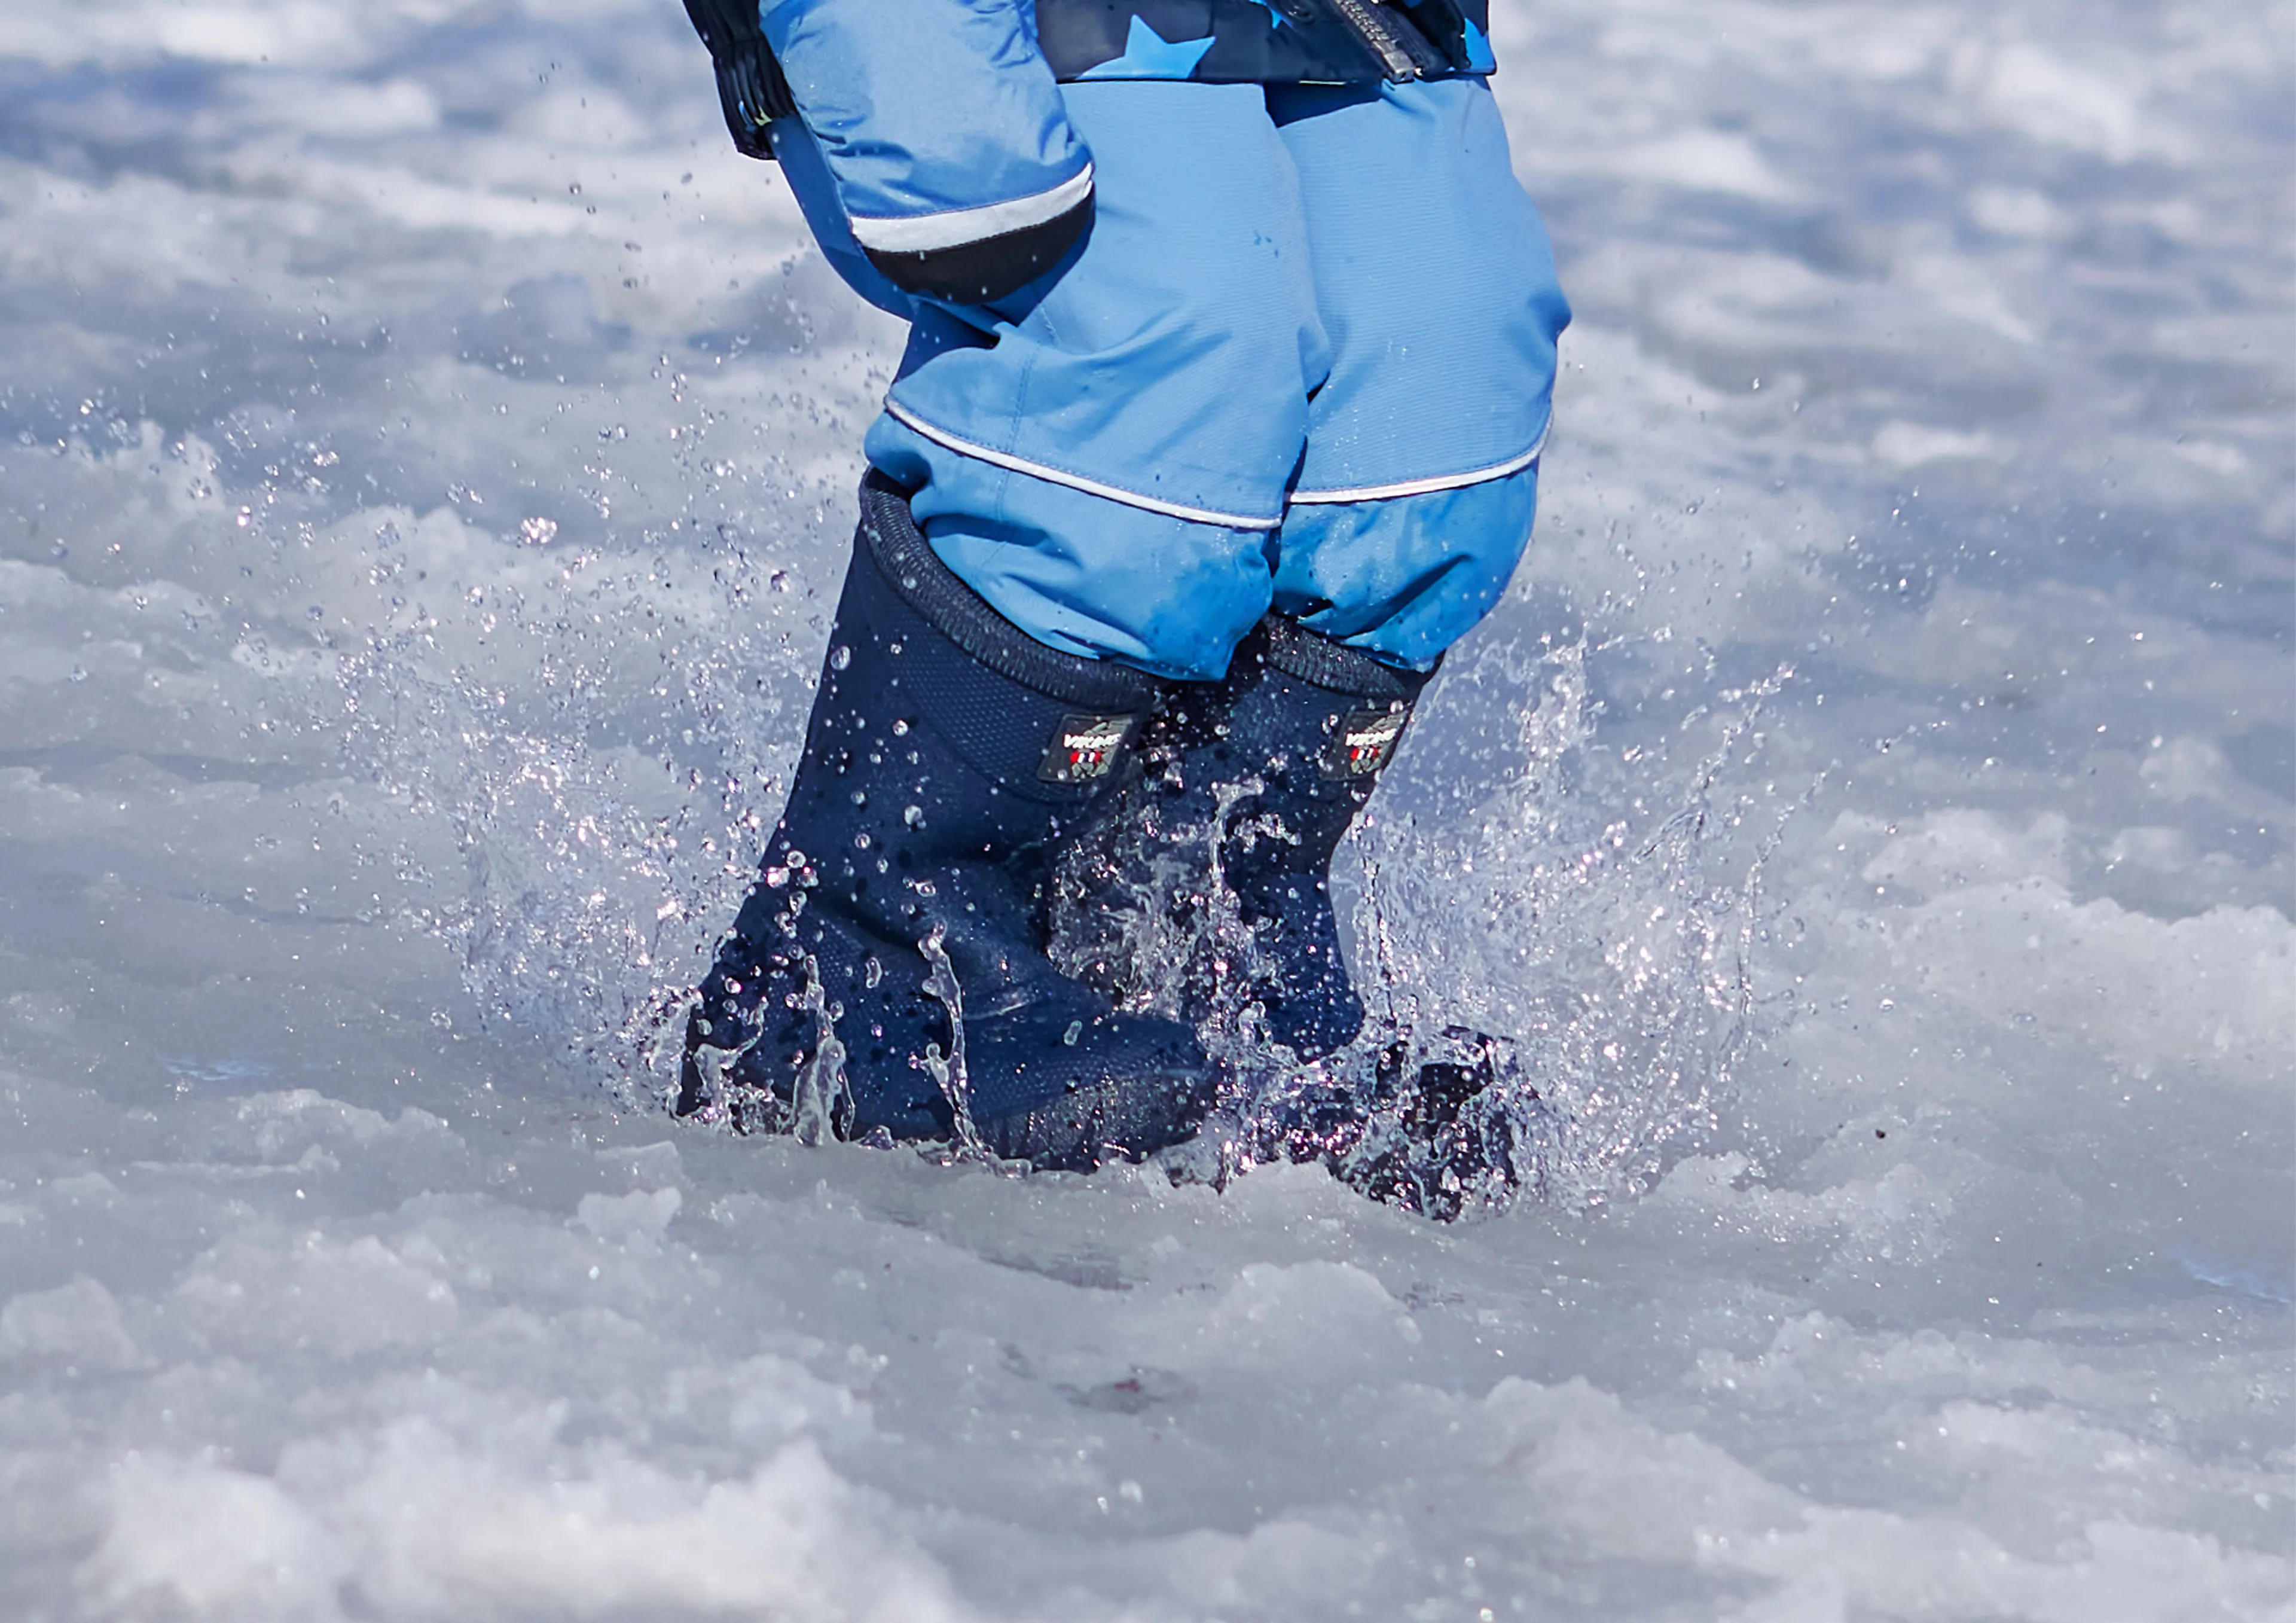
{"x": 919, "y": 233}
{"x": 1074, "y": 482}
{"x": 1422, "y": 486}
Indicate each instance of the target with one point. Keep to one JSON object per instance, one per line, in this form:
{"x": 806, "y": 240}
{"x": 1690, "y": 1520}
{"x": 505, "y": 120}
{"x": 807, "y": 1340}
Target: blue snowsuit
{"x": 1282, "y": 343}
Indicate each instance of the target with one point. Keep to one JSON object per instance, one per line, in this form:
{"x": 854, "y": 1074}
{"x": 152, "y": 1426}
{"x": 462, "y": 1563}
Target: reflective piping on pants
{"x": 919, "y": 233}
{"x": 1075, "y": 481}
{"x": 1422, "y": 486}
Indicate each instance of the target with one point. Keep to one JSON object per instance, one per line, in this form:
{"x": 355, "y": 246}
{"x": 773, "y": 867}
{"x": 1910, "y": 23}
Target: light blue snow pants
{"x": 1304, "y": 359}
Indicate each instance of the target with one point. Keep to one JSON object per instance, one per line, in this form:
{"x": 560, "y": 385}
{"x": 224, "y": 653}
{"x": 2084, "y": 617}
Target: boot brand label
{"x": 1084, "y": 748}
{"x": 1362, "y": 743}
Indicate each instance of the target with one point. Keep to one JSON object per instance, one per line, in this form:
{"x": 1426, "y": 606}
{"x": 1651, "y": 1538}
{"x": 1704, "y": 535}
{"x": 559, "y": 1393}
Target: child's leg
{"x": 1413, "y": 503}
{"x": 1436, "y": 289}
{"x": 1403, "y": 578}
{"x": 1105, "y": 456}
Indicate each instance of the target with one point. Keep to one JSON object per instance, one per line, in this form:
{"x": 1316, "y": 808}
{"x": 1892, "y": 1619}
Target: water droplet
{"x": 840, "y": 656}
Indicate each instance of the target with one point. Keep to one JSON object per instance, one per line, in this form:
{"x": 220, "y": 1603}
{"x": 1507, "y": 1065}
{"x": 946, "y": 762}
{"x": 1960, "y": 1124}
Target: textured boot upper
{"x": 920, "y": 813}
{"x": 1252, "y": 783}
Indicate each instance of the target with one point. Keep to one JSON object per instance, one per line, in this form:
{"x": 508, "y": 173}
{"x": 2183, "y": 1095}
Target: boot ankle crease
{"x": 915, "y": 574}
{"x": 1296, "y": 652}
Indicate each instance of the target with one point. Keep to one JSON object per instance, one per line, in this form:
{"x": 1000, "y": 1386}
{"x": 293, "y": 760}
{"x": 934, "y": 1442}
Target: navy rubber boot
{"x": 1312, "y": 724}
{"x": 1217, "y": 850}
{"x": 887, "y": 978}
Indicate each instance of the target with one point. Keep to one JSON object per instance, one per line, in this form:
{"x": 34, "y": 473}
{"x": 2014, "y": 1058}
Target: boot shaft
{"x": 1247, "y": 786}
{"x": 946, "y": 756}
{"x": 1315, "y": 723}
{"x": 962, "y": 737}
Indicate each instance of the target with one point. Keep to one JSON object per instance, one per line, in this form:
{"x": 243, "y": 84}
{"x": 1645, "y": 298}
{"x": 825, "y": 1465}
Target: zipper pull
{"x": 1403, "y": 52}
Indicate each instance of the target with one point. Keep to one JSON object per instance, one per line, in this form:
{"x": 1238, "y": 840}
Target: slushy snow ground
{"x": 425, "y": 469}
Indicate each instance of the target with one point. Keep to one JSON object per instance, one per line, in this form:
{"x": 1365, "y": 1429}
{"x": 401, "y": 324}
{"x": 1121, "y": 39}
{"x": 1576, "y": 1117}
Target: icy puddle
{"x": 426, "y": 472}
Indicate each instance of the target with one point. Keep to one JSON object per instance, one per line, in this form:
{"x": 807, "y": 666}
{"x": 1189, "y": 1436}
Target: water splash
{"x": 722, "y": 1097}
{"x": 1617, "y": 968}
{"x": 1555, "y": 1004}
{"x": 1572, "y": 981}
{"x": 821, "y": 1104}
{"x": 1141, "y": 910}
{"x": 607, "y": 804}
{"x": 947, "y": 1071}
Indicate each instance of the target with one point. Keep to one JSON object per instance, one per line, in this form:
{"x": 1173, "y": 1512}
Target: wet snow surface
{"x": 426, "y": 468}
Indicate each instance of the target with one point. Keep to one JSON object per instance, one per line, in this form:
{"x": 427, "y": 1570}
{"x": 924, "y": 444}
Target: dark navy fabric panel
{"x": 990, "y": 269}
{"x": 1210, "y": 41}
{"x": 922, "y": 106}
{"x": 1252, "y": 42}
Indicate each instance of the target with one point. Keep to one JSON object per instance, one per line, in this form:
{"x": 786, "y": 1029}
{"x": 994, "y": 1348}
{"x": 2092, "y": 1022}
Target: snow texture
{"x": 426, "y": 456}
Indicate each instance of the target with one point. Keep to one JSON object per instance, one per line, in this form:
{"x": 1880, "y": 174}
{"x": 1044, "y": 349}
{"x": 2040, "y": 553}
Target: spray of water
{"x": 820, "y": 1102}
{"x": 608, "y": 800}
{"x": 1142, "y": 910}
{"x": 947, "y": 1071}
{"x": 1611, "y": 970}
{"x": 1554, "y": 1007}
{"x": 1558, "y": 994}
